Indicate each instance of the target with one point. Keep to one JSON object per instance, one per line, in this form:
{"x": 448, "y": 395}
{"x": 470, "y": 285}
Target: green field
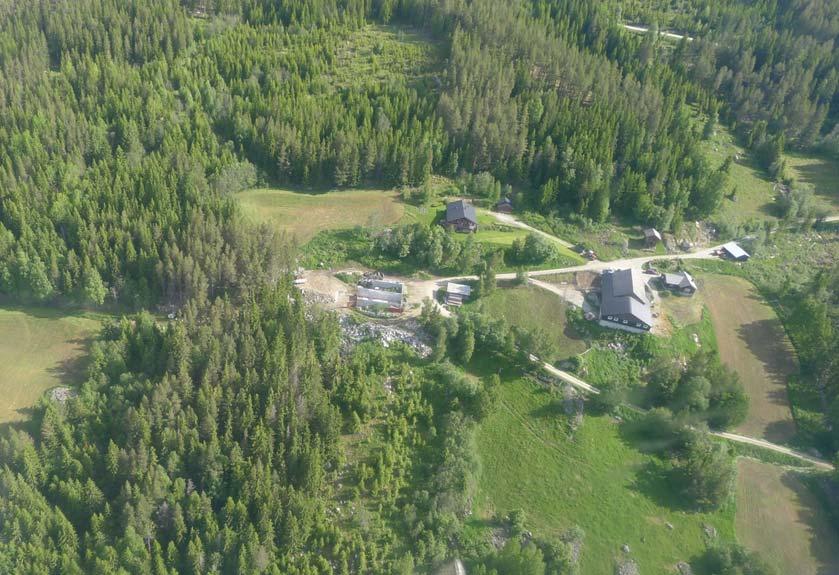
{"x": 779, "y": 517}
{"x": 531, "y": 307}
{"x": 594, "y": 479}
{"x": 752, "y": 341}
{"x": 754, "y": 195}
{"x": 303, "y": 215}
{"x": 817, "y": 173}
{"x": 40, "y": 348}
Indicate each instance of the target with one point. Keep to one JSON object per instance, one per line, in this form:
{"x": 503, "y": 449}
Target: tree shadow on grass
{"x": 658, "y": 482}
{"x": 28, "y": 423}
{"x": 810, "y": 513}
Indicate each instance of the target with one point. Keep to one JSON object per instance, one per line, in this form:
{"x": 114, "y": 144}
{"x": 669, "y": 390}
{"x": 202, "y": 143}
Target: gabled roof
{"x": 681, "y": 280}
{"x": 652, "y": 233}
{"x": 735, "y": 251}
{"x": 505, "y": 201}
{"x": 628, "y": 283}
{"x": 458, "y": 289}
{"x": 461, "y": 210}
{"x": 622, "y": 293}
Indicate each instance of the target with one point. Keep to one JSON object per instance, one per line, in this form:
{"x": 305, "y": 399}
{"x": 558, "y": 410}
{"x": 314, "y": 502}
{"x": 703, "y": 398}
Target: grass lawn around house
{"x": 779, "y": 517}
{"x": 818, "y": 173}
{"x": 529, "y": 307}
{"x": 40, "y": 348}
{"x": 302, "y": 215}
{"x": 752, "y": 341}
{"x": 593, "y": 479}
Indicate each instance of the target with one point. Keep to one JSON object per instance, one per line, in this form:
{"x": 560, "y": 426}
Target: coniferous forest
{"x": 213, "y": 444}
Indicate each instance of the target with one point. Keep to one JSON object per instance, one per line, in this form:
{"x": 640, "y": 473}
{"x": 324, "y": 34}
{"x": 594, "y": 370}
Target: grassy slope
{"x": 755, "y": 196}
{"x": 594, "y": 480}
{"x": 819, "y": 173}
{"x": 778, "y": 516}
{"x": 39, "y": 349}
{"x": 530, "y": 307}
{"x": 303, "y": 215}
{"x": 752, "y": 341}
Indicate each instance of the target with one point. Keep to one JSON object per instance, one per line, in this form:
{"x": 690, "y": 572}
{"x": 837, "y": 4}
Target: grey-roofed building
{"x": 735, "y": 252}
{"x": 456, "y": 294}
{"x": 623, "y": 301}
{"x": 380, "y": 294}
{"x": 651, "y": 237}
{"x": 461, "y": 216}
{"x": 681, "y": 282}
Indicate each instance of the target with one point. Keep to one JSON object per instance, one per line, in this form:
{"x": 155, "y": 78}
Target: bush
{"x": 705, "y": 471}
{"x": 734, "y": 559}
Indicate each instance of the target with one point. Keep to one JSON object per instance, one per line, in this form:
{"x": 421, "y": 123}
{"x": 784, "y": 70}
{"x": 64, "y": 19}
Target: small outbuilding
{"x": 732, "y": 250}
{"x": 456, "y": 294}
{"x": 504, "y": 206}
{"x": 652, "y": 237}
{"x": 680, "y": 282}
{"x": 461, "y": 216}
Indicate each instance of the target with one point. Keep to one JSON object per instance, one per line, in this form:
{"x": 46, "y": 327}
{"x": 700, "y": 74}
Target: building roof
{"x": 461, "y": 210}
{"x": 652, "y": 233}
{"x": 681, "y": 280}
{"x": 622, "y": 293}
{"x": 366, "y": 296}
{"x": 459, "y": 289}
{"x": 735, "y": 251}
{"x": 505, "y": 201}
{"x": 628, "y": 283}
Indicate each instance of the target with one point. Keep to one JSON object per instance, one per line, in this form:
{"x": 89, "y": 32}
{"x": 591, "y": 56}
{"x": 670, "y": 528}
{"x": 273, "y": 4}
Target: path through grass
{"x": 592, "y": 479}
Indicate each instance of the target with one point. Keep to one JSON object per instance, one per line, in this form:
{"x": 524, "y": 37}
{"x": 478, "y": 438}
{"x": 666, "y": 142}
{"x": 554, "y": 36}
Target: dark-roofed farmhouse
{"x": 623, "y": 301}
{"x": 461, "y": 216}
{"x": 504, "y": 205}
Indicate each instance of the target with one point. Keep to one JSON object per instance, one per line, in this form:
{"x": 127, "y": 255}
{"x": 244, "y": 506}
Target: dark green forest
{"x": 212, "y": 444}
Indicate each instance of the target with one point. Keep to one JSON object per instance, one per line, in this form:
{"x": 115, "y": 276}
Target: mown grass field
{"x": 303, "y": 215}
{"x": 40, "y": 348}
{"x": 779, "y": 517}
{"x": 530, "y": 307}
{"x": 752, "y": 341}
{"x": 818, "y": 173}
{"x": 594, "y": 479}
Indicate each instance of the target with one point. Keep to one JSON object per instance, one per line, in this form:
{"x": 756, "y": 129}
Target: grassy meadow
{"x": 40, "y": 348}
{"x": 531, "y": 307}
{"x": 779, "y": 517}
{"x": 817, "y": 173}
{"x": 302, "y": 215}
{"x": 593, "y": 478}
{"x": 753, "y": 194}
{"x": 752, "y": 341}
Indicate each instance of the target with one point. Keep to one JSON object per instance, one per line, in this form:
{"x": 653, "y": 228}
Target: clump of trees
{"x": 704, "y": 390}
